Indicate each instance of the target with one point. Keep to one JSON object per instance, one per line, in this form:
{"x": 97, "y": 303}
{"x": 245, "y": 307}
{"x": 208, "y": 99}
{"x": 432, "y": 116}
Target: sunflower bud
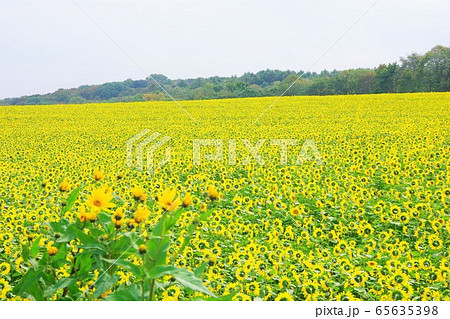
{"x": 142, "y": 249}
{"x": 52, "y": 250}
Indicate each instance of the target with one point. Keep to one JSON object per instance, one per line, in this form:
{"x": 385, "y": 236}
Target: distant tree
{"x": 181, "y": 83}
{"x": 208, "y": 91}
{"x": 415, "y": 73}
{"x": 410, "y": 74}
{"x": 291, "y": 82}
{"x": 436, "y": 69}
{"x": 76, "y": 100}
{"x": 33, "y": 100}
{"x": 110, "y": 90}
{"x": 386, "y": 78}
{"x": 249, "y": 78}
{"x": 365, "y": 83}
{"x": 61, "y": 96}
{"x": 153, "y": 96}
{"x": 319, "y": 87}
{"x": 139, "y": 84}
{"x": 160, "y": 78}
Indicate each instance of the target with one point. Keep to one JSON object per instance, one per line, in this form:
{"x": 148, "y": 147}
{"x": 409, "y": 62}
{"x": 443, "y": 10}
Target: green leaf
{"x": 192, "y": 227}
{"x": 157, "y": 248}
{"x": 127, "y": 265}
{"x": 172, "y": 219}
{"x": 34, "y": 292}
{"x": 159, "y": 227}
{"x": 60, "y": 258}
{"x": 84, "y": 263}
{"x": 200, "y": 269}
{"x": 130, "y": 293}
{"x": 68, "y": 234}
{"x": 71, "y": 200}
{"x": 104, "y": 282}
{"x": 61, "y": 284}
{"x": 184, "y": 276}
{"x": 34, "y": 264}
{"x": 83, "y": 237}
{"x": 105, "y": 221}
{"x": 121, "y": 245}
{"x": 25, "y": 252}
{"x": 205, "y": 215}
{"x": 35, "y": 247}
{"x": 28, "y": 280}
{"x": 55, "y": 227}
{"x": 104, "y": 218}
{"x": 43, "y": 261}
{"x": 94, "y": 248}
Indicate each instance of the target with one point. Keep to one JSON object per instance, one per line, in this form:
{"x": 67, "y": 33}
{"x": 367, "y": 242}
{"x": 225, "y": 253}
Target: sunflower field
{"x": 370, "y": 223}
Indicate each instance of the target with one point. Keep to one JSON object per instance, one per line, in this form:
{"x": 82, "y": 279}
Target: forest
{"x": 429, "y": 72}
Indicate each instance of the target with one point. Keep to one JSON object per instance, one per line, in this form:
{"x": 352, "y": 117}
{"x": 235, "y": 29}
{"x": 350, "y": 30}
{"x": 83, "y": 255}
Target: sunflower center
{"x": 97, "y": 203}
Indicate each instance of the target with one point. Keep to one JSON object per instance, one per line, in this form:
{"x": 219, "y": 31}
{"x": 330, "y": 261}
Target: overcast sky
{"x": 51, "y": 44}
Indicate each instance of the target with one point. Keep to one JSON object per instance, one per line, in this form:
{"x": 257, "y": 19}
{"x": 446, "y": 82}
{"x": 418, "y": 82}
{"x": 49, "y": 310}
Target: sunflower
{"x": 284, "y": 296}
{"x": 212, "y": 192}
{"x": 65, "y": 186}
{"x": 90, "y": 215}
{"x": 5, "y": 268}
{"x": 295, "y": 211}
{"x": 4, "y": 288}
{"x": 138, "y": 194}
{"x": 435, "y": 242}
{"x": 100, "y": 199}
{"x": 167, "y": 200}
{"x": 141, "y": 214}
{"x": 253, "y": 289}
{"x": 284, "y": 282}
{"x": 117, "y": 217}
{"x": 98, "y": 174}
{"x": 187, "y": 200}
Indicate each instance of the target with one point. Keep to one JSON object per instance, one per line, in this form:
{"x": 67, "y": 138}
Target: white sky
{"x": 51, "y": 44}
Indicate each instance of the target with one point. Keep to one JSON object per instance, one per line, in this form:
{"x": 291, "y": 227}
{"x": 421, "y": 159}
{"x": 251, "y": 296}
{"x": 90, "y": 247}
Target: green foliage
{"x": 415, "y": 73}
{"x": 70, "y": 201}
{"x": 96, "y": 251}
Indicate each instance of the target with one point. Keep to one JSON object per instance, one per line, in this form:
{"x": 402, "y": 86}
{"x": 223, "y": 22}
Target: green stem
{"x": 153, "y": 262}
{"x": 186, "y": 241}
{"x": 72, "y": 272}
{"x": 110, "y": 254}
{"x": 152, "y": 284}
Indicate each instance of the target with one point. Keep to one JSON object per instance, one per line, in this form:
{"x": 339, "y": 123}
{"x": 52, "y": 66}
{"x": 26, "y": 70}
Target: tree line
{"x": 429, "y": 72}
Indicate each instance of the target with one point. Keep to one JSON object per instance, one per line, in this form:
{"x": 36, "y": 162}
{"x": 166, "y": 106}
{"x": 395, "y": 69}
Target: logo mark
{"x": 142, "y": 142}
{"x": 308, "y": 152}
